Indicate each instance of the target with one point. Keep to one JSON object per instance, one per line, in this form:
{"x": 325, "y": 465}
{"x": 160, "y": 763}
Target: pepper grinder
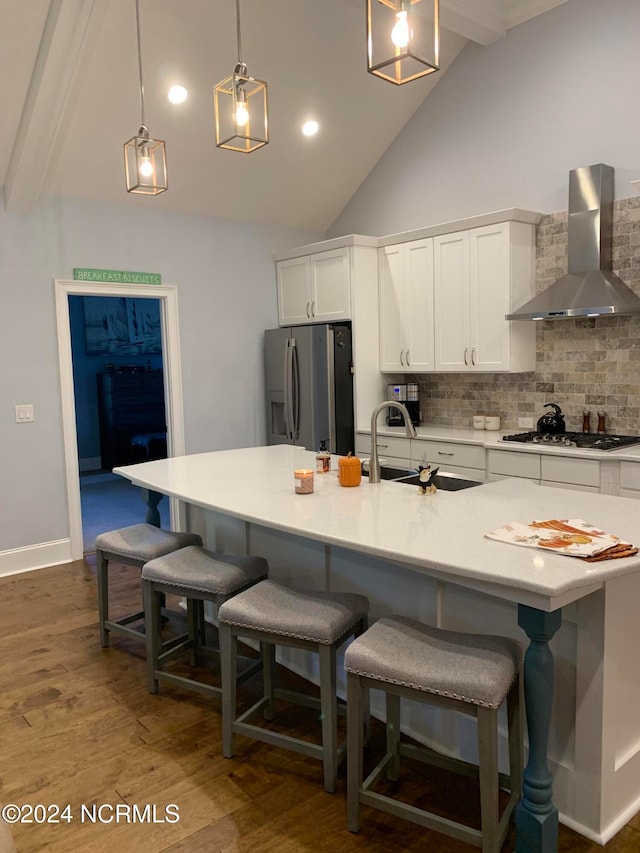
{"x": 586, "y": 425}
{"x": 601, "y": 427}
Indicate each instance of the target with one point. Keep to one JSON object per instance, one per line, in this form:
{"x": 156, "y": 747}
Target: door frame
{"x": 172, "y": 372}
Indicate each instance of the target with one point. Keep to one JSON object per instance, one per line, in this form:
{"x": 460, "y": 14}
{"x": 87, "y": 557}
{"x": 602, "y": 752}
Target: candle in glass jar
{"x": 304, "y": 481}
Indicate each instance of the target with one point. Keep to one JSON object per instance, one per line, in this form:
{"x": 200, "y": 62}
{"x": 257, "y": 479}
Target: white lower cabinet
{"x": 570, "y": 473}
{"x": 393, "y": 451}
{"x": 487, "y": 464}
{"x": 511, "y": 463}
{"x": 576, "y": 487}
{"x": 468, "y": 460}
{"x": 559, "y": 471}
{"x": 630, "y": 480}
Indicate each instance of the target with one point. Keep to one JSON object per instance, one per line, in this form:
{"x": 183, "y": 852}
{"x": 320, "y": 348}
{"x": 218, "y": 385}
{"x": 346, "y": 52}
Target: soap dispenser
{"x": 323, "y": 459}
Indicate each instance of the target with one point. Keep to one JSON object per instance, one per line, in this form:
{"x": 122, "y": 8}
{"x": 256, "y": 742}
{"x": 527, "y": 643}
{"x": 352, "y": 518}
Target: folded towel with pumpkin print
{"x": 572, "y": 537}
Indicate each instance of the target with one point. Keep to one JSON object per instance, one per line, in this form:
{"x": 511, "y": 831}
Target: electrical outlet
{"x": 525, "y": 423}
{"x": 24, "y": 413}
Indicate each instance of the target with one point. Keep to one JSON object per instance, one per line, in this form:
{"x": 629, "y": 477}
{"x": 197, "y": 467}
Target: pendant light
{"x": 240, "y": 107}
{"x": 401, "y": 44}
{"x": 145, "y": 159}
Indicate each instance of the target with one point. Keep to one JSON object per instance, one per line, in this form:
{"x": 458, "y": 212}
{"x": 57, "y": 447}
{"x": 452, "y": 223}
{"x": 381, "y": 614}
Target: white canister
{"x": 492, "y": 422}
{"x": 478, "y": 421}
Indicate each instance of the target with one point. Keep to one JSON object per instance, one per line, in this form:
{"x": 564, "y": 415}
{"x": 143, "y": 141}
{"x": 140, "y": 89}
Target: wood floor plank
{"x": 78, "y": 726}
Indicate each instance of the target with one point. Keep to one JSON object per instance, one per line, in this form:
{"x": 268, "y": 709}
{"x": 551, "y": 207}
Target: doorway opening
{"x": 133, "y": 307}
{"x": 116, "y": 346}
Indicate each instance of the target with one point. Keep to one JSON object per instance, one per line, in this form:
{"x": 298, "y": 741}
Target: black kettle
{"x": 552, "y": 422}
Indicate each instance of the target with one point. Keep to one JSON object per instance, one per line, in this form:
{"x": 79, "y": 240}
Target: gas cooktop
{"x": 588, "y": 440}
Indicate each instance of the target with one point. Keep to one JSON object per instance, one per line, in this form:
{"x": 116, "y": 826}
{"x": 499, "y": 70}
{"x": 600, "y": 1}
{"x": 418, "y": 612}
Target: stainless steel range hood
{"x": 590, "y": 288}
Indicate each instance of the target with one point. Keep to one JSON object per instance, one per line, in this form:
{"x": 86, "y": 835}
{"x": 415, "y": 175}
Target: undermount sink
{"x": 387, "y": 473}
{"x": 446, "y": 482}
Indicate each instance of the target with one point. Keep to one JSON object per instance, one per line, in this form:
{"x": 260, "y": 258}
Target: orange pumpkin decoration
{"x": 349, "y": 470}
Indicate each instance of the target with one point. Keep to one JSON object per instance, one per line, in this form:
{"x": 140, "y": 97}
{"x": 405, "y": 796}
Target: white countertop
{"x": 441, "y": 533}
{"x": 492, "y": 440}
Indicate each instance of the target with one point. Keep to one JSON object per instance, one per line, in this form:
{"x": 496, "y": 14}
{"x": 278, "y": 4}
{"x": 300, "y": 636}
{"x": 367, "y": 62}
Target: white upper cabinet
{"x": 315, "y": 288}
{"x": 452, "y": 330}
{"x": 405, "y": 276}
{"x": 480, "y": 275}
{"x": 391, "y": 289}
{"x": 293, "y": 291}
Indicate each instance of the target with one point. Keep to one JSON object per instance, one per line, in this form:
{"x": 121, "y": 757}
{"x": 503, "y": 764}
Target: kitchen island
{"x": 427, "y": 557}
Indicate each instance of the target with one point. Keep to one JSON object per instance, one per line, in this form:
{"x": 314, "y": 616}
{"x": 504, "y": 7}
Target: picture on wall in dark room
{"x": 122, "y": 325}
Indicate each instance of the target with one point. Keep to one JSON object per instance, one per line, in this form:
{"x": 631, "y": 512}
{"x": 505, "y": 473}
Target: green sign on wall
{"x": 118, "y": 276}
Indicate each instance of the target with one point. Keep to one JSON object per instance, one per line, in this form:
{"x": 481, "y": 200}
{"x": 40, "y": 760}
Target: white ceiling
{"x": 69, "y": 90}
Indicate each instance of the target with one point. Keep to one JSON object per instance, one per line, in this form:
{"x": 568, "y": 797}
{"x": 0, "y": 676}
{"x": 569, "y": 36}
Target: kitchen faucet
{"x": 374, "y": 463}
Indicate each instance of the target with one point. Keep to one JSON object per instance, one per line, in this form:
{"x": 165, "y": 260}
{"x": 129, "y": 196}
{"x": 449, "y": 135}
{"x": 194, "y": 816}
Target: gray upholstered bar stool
{"x": 133, "y": 546}
{"x": 468, "y": 673}
{"x": 276, "y": 615}
{"x": 198, "y": 575}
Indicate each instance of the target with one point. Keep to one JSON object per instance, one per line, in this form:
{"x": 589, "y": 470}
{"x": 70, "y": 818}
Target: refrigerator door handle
{"x": 295, "y": 390}
{"x": 331, "y": 374}
{"x": 287, "y": 389}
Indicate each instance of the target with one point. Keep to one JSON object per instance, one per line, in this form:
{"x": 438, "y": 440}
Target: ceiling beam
{"x": 522, "y": 10}
{"x": 481, "y": 21}
{"x": 46, "y": 106}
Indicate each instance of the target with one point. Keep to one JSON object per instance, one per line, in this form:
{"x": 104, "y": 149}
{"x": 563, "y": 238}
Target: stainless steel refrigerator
{"x": 309, "y": 380}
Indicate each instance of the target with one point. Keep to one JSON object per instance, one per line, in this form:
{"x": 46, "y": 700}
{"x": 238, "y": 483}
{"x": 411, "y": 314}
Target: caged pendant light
{"x": 240, "y": 107}
{"x": 402, "y": 45}
{"x": 145, "y": 159}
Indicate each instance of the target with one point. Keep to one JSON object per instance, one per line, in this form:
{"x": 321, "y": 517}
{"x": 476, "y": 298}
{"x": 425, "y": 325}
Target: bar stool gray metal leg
{"x": 103, "y": 597}
{"x": 393, "y": 736}
{"x": 328, "y": 711}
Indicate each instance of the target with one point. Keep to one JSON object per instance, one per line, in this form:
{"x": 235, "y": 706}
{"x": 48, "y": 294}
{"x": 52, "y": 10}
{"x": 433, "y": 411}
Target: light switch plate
{"x": 525, "y": 423}
{"x": 24, "y": 413}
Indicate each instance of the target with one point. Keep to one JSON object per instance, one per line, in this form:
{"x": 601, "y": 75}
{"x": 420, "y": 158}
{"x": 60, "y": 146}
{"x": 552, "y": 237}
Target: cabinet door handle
{"x": 313, "y": 308}
{"x": 465, "y": 357}
{"x": 442, "y": 453}
{"x": 408, "y": 362}
{"x": 308, "y": 315}
{"x": 401, "y": 357}
{"x": 382, "y": 445}
{"x": 473, "y": 356}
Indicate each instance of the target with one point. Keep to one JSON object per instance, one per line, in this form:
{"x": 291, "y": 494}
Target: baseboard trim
{"x": 32, "y": 557}
{"x": 609, "y": 831}
{"x": 90, "y": 463}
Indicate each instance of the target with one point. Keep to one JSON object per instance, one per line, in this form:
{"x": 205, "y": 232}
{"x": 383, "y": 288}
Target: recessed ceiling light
{"x": 177, "y": 94}
{"x": 310, "y": 128}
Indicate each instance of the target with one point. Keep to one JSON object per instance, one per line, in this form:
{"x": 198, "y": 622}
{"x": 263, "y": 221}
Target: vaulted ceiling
{"x": 69, "y": 90}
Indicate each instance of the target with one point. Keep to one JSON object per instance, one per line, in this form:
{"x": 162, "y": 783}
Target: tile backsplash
{"x": 591, "y": 363}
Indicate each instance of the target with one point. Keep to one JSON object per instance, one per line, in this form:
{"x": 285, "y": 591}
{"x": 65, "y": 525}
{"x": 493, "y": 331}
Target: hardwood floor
{"x": 77, "y": 726}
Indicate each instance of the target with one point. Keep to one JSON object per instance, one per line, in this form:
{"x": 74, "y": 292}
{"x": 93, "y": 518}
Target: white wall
{"x": 506, "y": 124}
{"x": 226, "y": 282}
